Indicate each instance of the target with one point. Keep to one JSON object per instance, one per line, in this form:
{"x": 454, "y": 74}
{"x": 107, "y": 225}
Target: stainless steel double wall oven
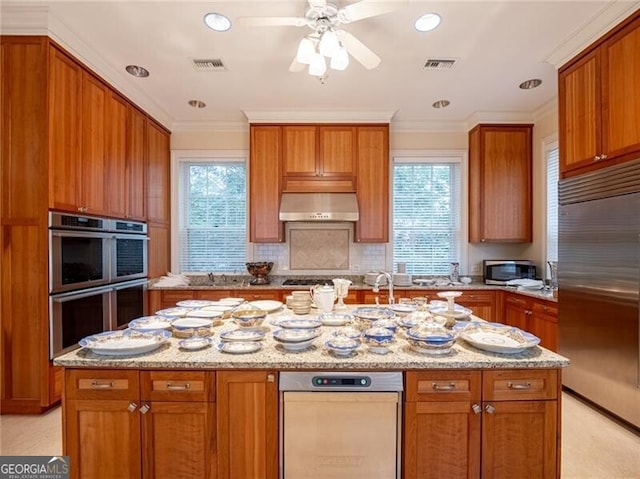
{"x": 97, "y": 276}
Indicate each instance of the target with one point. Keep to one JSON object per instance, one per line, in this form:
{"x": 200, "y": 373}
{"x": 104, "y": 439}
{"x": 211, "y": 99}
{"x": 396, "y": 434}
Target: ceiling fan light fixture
{"x": 217, "y": 22}
{"x": 427, "y": 22}
{"x": 306, "y": 51}
{"x": 340, "y": 61}
{"x": 329, "y": 43}
{"x": 318, "y": 65}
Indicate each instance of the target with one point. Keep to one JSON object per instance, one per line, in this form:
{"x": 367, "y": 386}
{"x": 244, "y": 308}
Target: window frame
{"x": 178, "y": 158}
{"x": 433, "y": 156}
{"x": 549, "y": 143}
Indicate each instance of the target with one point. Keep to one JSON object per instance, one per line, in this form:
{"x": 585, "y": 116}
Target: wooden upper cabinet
{"x": 264, "y": 185}
{"x": 116, "y": 153}
{"x": 158, "y": 172}
{"x": 65, "y": 98}
{"x": 299, "y": 151}
{"x": 337, "y": 150}
{"x": 373, "y": 184}
{"x": 93, "y": 164}
{"x": 318, "y": 158}
{"x": 599, "y": 109}
{"x": 136, "y": 164}
{"x": 500, "y": 197}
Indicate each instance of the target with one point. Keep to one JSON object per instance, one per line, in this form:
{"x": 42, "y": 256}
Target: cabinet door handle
{"x": 271, "y": 378}
{"x": 489, "y": 408}
{"x": 603, "y": 157}
{"x": 443, "y": 387}
{"x": 597, "y": 158}
{"x": 144, "y": 408}
{"x": 132, "y": 407}
{"x": 476, "y": 408}
{"x": 526, "y": 385}
{"x": 178, "y": 387}
{"x": 101, "y": 385}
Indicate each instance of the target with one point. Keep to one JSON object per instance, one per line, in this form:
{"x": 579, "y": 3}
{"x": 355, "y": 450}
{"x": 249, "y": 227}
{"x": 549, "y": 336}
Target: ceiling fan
{"x": 327, "y": 39}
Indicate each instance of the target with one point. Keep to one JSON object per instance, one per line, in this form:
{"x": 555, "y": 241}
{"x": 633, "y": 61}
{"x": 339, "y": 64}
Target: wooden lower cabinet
{"x": 509, "y": 428}
{"x": 538, "y": 316}
{"x": 115, "y": 427}
{"x": 247, "y": 413}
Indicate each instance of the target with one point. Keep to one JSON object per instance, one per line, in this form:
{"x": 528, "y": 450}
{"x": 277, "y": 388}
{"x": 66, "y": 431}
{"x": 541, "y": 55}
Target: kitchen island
{"x": 176, "y": 413}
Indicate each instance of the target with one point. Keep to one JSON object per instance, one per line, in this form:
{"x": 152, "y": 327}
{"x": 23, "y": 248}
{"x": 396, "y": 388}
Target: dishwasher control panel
{"x": 341, "y": 381}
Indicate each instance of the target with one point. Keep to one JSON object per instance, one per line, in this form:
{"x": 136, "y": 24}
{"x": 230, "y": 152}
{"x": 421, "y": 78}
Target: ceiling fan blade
{"x": 272, "y": 21}
{"x": 368, "y": 8}
{"x": 359, "y": 50}
{"x": 296, "y": 66}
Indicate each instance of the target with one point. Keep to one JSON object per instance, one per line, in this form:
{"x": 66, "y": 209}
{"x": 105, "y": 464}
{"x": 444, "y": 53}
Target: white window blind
{"x": 213, "y": 206}
{"x": 552, "y": 203}
{"x": 426, "y": 214}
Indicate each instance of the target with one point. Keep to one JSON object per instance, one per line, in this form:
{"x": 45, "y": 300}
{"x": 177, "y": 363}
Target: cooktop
{"x": 305, "y": 282}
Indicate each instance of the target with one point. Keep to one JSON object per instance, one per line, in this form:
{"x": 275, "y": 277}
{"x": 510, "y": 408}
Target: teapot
{"x": 323, "y": 296}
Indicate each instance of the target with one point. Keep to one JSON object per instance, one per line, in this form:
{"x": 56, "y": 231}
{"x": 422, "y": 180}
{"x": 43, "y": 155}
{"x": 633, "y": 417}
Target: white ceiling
{"x": 498, "y": 44}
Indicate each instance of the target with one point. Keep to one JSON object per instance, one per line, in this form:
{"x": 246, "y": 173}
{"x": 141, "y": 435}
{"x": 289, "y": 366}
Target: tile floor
{"x": 593, "y": 446}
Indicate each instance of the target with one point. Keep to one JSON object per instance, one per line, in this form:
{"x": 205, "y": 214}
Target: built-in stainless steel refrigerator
{"x": 599, "y": 281}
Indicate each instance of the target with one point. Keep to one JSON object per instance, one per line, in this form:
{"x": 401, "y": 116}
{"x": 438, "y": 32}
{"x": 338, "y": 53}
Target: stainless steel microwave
{"x": 500, "y": 271}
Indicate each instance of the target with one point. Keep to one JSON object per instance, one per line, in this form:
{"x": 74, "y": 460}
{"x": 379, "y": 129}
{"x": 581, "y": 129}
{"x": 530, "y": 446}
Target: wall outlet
{"x": 475, "y": 269}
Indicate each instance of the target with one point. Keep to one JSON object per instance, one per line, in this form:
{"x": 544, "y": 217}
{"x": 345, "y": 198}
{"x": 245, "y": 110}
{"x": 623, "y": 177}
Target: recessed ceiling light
{"x": 427, "y": 22}
{"x": 441, "y": 104}
{"x": 197, "y": 103}
{"x": 217, "y": 22}
{"x": 529, "y": 84}
{"x": 137, "y": 71}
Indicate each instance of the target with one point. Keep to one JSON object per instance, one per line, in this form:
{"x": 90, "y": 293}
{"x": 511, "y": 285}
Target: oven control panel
{"x": 338, "y": 381}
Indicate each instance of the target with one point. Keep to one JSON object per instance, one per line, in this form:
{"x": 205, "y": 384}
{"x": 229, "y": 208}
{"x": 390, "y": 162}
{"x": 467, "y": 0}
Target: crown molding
{"x": 498, "y": 117}
{"x": 319, "y": 116}
{"x": 203, "y": 126}
{"x": 549, "y": 108}
{"x": 428, "y": 126}
{"x": 24, "y": 19}
{"x": 603, "y": 21}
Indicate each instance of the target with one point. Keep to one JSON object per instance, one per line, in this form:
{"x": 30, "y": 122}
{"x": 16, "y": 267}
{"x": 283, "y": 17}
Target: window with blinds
{"x": 213, "y": 209}
{"x": 553, "y": 158}
{"x": 426, "y": 214}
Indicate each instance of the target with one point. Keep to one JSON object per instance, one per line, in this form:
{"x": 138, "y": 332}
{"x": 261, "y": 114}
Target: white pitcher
{"x": 323, "y": 297}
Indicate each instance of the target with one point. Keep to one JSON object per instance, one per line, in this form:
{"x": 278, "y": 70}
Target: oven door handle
{"x": 79, "y": 234}
{"x": 83, "y": 293}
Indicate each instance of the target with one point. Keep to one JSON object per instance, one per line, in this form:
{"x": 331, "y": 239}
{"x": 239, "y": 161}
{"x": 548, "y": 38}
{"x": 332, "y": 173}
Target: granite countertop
{"x": 201, "y": 282}
{"x": 272, "y": 356}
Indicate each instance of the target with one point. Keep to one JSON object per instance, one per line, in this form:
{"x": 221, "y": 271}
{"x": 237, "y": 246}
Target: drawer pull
{"x": 526, "y": 385}
{"x": 144, "y": 408}
{"x": 446, "y": 387}
{"x": 178, "y": 387}
{"x": 476, "y": 408}
{"x": 100, "y": 385}
{"x": 271, "y": 378}
{"x": 132, "y": 407}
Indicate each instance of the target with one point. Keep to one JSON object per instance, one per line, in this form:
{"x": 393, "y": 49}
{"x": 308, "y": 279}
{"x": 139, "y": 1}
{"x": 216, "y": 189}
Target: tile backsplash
{"x": 326, "y": 248}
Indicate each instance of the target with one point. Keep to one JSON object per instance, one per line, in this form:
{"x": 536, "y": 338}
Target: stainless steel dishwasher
{"x": 340, "y": 425}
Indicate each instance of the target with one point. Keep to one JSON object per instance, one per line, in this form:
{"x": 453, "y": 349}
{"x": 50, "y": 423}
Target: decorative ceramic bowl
{"x": 431, "y": 338}
{"x": 378, "y": 336}
{"x": 248, "y": 316}
{"x": 342, "y": 346}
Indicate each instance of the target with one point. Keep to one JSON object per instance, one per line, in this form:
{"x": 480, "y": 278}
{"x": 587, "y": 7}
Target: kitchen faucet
{"x": 376, "y": 285}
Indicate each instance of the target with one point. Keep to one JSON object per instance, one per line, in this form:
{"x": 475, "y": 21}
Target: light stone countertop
{"x": 272, "y": 356}
{"x": 199, "y": 282}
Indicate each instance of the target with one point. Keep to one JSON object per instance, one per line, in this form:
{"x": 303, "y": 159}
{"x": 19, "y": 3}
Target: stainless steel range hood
{"x": 319, "y": 207}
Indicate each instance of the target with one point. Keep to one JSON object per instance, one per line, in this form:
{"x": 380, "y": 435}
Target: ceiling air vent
{"x": 439, "y": 63}
{"x": 208, "y": 65}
